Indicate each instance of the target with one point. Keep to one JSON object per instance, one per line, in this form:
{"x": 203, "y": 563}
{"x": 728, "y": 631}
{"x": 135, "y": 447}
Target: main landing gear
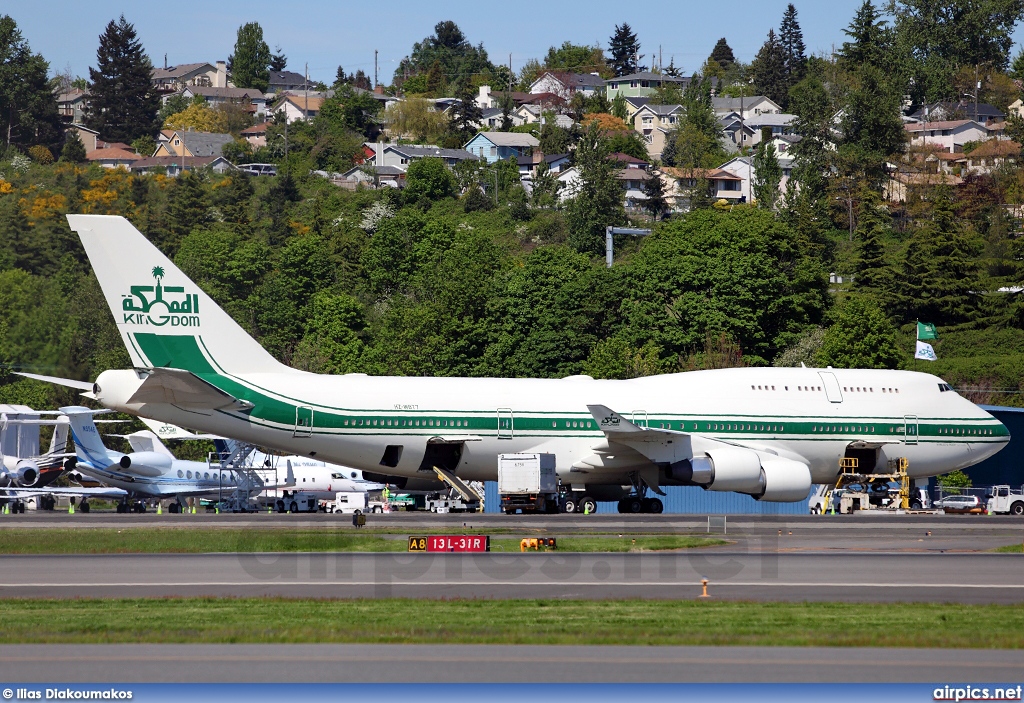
{"x": 638, "y": 502}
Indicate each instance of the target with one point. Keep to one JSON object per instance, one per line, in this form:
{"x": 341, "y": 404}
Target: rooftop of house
{"x": 112, "y": 154}
{"x": 303, "y": 103}
{"x": 165, "y": 161}
{"x": 626, "y": 158}
{"x": 202, "y": 144}
{"x": 180, "y": 70}
{"x": 571, "y": 79}
{"x": 736, "y": 104}
{"x": 633, "y": 174}
{"x": 73, "y": 95}
{"x": 660, "y": 110}
{"x": 998, "y": 148}
{"x": 282, "y": 78}
{"x": 966, "y": 107}
{"x": 513, "y": 139}
{"x": 425, "y": 151}
{"x": 260, "y": 128}
{"x": 226, "y": 93}
{"x": 648, "y": 76}
{"x": 770, "y": 119}
{"x": 712, "y": 174}
{"x": 940, "y": 125}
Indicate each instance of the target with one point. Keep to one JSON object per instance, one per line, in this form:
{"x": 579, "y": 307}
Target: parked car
{"x": 260, "y": 169}
{"x": 960, "y": 504}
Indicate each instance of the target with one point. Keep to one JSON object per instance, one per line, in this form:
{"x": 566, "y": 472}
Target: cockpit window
{"x": 943, "y": 387}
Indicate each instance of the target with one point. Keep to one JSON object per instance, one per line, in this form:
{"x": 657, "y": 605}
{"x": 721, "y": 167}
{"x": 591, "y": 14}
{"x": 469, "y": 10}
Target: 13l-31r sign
{"x": 450, "y": 543}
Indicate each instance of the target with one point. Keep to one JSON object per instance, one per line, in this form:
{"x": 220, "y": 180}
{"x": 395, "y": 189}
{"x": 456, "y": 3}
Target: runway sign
{"x": 450, "y": 543}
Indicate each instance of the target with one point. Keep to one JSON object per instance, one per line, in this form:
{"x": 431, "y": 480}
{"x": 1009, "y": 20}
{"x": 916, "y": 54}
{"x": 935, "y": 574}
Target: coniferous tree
{"x": 769, "y": 68}
{"x": 952, "y": 282}
{"x": 791, "y": 38}
{"x": 867, "y": 37}
{"x": 722, "y": 54}
{"x": 278, "y": 61}
{"x": 624, "y": 48}
{"x": 598, "y": 200}
{"x": 767, "y": 174}
{"x": 654, "y": 189}
{"x": 28, "y": 108}
{"x": 122, "y": 102}
{"x": 871, "y": 230}
{"x": 466, "y": 115}
{"x": 186, "y": 209}
{"x": 235, "y": 203}
{"x": 250, "y": 63}
{"x": 74, "y": 149}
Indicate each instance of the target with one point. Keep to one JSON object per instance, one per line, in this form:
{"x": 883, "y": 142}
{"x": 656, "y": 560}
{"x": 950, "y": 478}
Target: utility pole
{"x": 977, "y": 89}
{"x": 305, "y": 106}
{"x": 608, "y": 243}
{"x": 375, "y": 83}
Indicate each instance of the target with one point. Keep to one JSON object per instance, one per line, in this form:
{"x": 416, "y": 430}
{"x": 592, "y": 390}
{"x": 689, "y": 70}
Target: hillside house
{"x": 71, "y": 105}
{"x": 250, "y": 98}
{"x": 191, "y": 144}
{"x": 746, "y": 107}
{"x": 173, "y": 79}
{"x": 565, "y": 84}
{"x": 654, "y": 122}
{"x": 495, "y": 146}
{"x": 643, "y": 84}
{"x": 950, "y": 135}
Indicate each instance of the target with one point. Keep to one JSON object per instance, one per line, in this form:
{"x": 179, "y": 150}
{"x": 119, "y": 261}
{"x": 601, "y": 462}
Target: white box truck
{"x": 528, "y": 483}
{"x": 349, "y": 502}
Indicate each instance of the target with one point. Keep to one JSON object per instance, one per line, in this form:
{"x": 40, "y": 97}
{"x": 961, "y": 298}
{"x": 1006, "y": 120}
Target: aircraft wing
{"x": 657, "y": 444}
{"x": 179, "y": 387}
{"x": 112, "y": 493}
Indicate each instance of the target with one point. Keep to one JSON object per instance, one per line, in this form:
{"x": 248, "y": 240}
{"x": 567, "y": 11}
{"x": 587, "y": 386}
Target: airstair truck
{"x": 528, "y": 483}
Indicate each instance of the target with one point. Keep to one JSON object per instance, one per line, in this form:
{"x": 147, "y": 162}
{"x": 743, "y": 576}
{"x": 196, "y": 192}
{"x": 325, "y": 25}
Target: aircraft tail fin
{"x": 59, "y": 440}
{"x": 88, "y": 445}
{"x": 164, "y": 318}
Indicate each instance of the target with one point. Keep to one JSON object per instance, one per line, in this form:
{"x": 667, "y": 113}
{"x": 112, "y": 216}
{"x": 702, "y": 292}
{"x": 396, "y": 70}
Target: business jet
{"x": 23, "y": 466}
{"x": 148, "y": 472}
{"x": 324, "y": 480}
{"x": 765, "y": 432}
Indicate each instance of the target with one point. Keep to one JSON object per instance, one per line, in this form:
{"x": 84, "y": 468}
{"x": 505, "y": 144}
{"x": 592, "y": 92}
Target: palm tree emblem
{"x": 158, "y": 274}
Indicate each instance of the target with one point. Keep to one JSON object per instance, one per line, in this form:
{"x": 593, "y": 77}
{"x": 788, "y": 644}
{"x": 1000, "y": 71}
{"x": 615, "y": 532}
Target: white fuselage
{"x": 809, "y": 415}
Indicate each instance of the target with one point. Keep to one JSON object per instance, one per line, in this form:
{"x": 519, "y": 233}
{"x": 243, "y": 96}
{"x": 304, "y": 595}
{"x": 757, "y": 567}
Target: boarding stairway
{"x": 458, "y": 485}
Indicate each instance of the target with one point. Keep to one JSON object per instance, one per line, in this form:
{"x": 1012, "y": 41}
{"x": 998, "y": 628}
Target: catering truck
{"x": 528, "y": 483}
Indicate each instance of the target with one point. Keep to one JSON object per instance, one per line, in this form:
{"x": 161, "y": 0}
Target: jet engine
{"x": 146, "y": 463}
{"x": 26, "y": 473}
{"x": 405, "y": 483}
{"x": 743, "y": 471}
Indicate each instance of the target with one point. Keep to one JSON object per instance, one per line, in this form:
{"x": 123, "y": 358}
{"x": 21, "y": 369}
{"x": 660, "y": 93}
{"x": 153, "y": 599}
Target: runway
{"x": 492, "y": 663}
{"x": 751, "y": 574}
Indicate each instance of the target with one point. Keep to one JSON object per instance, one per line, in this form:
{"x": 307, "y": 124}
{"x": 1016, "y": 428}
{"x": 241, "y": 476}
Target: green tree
{"x": 428, "y": 178}
{"x": 573, "y": 57}
{"x": 722, "y": 54}
{"x": 624, "y": 48}
{"x": 868, "y": 38}
{"x": 598, "y": 199}
{"x": 465, "y": 116}
{"x": 616, "y": 358}
{"x": 791, "y": 39}
{"x": 331, "y": 343}
{"x": 655, "y": 204}
{"x": 250, "y": 62}
{"x": 769, "y": 70}
{"x": 952, "y": 284}
{"x": 74, "y": 149}
{"x": 860, "y": 337}
{"x": 458, "y": 60}
{"x": 872, "y": 230}
{"x": 122, "y": 102}
{"x": 618, "y": 107}
{"x": 872, "y": 127}
{"x": 278, "y": 61}
{"x": 186, "y": 209}
{"x": 174, "y": 104}
{"x": 28, "y": 107}
{"x": 767, "y": 175}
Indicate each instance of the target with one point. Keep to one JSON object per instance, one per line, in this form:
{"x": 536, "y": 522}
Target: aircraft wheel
{"x": 569, "y": 506}
{"x": 83, "y": 508}
{"x": 634, "y": 505}
{"x": 621, "y": 506}
{"x": 586, "y": 505}
{"x": 655, "y": 506}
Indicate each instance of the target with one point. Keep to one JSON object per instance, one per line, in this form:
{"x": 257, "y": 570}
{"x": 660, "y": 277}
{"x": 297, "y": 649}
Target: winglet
{"x": 610, "y": 421}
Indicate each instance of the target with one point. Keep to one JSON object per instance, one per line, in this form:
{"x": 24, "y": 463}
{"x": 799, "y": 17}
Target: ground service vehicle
{"x": 1002, "y": 500}
{"x": 348, "y": 502}
{"x": 959, "y": 504}
{"x": 528, "y": 483}
{"x": 295, "y": 502}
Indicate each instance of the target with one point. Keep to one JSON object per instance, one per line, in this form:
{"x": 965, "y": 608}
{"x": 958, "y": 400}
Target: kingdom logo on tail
{"x": 183, "y": 312}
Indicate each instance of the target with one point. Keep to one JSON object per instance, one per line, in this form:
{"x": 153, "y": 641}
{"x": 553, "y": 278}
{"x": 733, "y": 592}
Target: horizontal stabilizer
{"x": 184, "y": 388}
{"x": 67, "y": 382}
{"x": 165, "y": 431}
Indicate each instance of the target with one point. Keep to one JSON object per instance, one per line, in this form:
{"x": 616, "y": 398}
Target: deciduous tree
{"x": 250, "y": 62}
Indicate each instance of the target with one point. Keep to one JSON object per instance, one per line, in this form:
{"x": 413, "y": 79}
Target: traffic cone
{"x": 193, "y": 510}
{"x": 159, "y": 508}
{"x": 71, "y": 508}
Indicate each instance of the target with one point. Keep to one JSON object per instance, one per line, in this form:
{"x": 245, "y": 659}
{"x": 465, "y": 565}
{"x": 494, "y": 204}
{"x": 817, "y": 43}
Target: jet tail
{"x": 88, "y": 445}
{"x": 165, "y": 319}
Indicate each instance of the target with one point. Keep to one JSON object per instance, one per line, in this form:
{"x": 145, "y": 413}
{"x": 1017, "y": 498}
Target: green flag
{"x": 926, "y": 330}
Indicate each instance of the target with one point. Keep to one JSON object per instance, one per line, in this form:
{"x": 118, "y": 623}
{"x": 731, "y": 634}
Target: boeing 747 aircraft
{"x": 765, "y": 432}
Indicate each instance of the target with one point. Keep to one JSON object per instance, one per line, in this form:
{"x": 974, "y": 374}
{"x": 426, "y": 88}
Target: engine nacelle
{"x": 26, "y": 473}
{"x": 405, "y": 483}
{"x": 146, "y": 463}
{"x": 731, "y": 469}
{"x": 784, "y": 481}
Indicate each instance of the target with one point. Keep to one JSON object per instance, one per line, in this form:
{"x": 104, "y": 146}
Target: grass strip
{"x": 205, "y": 620}
{"x": 1011, "y": 549}
{"x": 165, "y": 540}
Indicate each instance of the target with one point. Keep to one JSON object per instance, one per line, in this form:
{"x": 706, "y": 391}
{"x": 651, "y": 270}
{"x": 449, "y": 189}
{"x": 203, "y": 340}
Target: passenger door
{"x": 506, "y": 423}
{"x": 831, "y": 386}
{"x": 303, "y": 421}
{"x": 910, "y": 429}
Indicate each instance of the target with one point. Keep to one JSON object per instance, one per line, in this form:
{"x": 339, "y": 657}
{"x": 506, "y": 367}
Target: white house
{"x": 746, "y": 107}
{"x": 214, "y": 96}
{"x": 565, "y": 84}
{"x": 171, "y": 79}
{"x": 947, "y": 134}
{"x": 298, "y": 107}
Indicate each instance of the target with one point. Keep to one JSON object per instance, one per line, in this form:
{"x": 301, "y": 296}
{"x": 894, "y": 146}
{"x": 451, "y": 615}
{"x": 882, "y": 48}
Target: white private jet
{"x": 311, "y": 476}
{"x": 148, "y": 472}
{"x": 766, "y": 432}
{"x": 23, "y": 466}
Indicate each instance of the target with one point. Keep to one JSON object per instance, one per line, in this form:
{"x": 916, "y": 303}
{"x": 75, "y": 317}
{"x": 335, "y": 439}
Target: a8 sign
{"x": 450, "y": 543}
